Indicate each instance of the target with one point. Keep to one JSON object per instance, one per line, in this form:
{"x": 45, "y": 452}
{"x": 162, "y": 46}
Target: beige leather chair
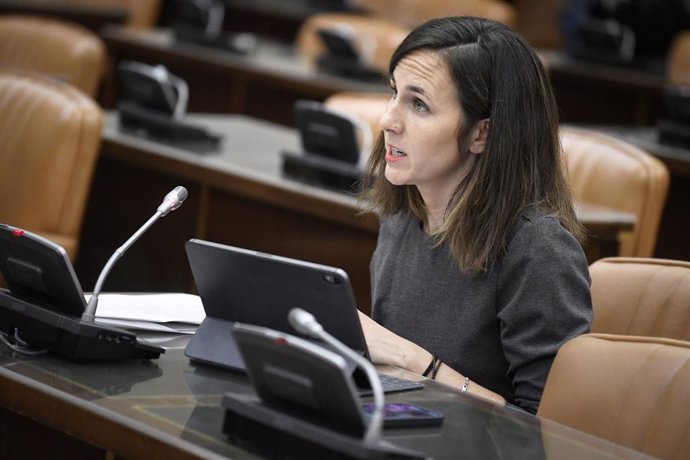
{"x": 607, "y": 171}
{"x": 415, "y": 12}
{"x": 64, "y": 50}
{"x": 50, "y": 134}
{"x": 678, "y": 62}
{"x": 143, "y": 14}
{"x": 537, "y": 21}
{"x": 639, "y": 296}
{"x": 374, "y": 38}
{"x": 634, "y": 391}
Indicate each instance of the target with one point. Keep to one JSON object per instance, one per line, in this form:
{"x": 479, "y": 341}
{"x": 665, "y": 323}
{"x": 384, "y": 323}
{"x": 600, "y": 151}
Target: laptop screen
{"x": 251, "y": 287}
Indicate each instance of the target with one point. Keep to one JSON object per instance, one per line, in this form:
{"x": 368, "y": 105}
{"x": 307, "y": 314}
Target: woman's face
{"x": 421, "y": 126}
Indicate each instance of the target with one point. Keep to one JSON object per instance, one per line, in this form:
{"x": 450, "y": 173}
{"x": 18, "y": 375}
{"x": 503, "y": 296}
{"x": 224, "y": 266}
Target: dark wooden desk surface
{"x": 589, "y": 93}
{"x": 167, "y": 408}
{"x": 237, "y": 196}
{"x": 264, "y": 84}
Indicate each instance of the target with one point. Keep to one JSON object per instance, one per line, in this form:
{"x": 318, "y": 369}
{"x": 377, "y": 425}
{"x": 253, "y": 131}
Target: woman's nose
{"x": 390, "y": 121}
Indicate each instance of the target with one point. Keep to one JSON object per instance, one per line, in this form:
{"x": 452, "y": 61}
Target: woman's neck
{"x": 434, "y": 216}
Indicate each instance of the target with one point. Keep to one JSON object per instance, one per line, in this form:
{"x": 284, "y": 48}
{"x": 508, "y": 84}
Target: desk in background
{"x": 168, "y": 408}
{"x": 264, "y": 84}
{"x": 589, "y": 93}
{"x": 240, "y": 197}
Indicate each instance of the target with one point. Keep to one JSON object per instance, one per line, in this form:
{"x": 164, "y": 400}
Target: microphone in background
{"x": 171, "y": 201}
{"x": 305, "y": 323}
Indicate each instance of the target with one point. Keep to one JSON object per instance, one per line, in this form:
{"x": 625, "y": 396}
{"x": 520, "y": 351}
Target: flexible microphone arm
{"x": 172, "y": 201}
{"x": 305, "y": 323}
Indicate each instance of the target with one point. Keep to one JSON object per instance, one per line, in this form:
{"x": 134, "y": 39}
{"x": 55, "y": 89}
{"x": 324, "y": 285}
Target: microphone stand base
{"x": 248, "y": 423}
{"x": 67, "y": 335}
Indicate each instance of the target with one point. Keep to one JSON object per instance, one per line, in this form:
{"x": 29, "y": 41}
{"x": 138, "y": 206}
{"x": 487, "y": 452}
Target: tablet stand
{"x": 249, "y": 423}
{"x": 161, "y": 127}
{"x": 319, "y": 170}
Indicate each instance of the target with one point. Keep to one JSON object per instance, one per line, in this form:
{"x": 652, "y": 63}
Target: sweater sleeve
{"x": 543, "y": 300}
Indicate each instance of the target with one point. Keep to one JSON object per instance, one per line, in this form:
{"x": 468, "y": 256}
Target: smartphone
{"x": 401, "y": 415}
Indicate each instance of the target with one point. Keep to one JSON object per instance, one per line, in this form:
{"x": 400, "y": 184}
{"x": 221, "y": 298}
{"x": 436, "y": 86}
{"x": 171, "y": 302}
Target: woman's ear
{"x": 480, "y": 133}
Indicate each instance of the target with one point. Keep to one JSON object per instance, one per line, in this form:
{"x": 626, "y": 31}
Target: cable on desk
{"x": 19, "y": 345}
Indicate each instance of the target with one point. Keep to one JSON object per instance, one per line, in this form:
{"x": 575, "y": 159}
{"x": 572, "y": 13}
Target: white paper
{"x": 165, "y": 312}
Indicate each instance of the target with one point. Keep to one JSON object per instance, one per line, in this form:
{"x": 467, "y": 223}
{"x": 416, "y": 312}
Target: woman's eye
{"x": 420, "y": 106}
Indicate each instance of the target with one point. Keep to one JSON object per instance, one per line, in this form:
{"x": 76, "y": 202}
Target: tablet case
{"x": 241, "y": 285}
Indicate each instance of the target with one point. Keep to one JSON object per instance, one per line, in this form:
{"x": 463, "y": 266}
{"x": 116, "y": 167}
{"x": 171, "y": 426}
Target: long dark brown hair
{"x": 497, "y": 76}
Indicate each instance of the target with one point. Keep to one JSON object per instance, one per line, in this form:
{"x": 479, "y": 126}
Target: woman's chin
{"x": 394, "y": 178}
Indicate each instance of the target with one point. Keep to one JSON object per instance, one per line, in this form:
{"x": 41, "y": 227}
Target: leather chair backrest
{"x": 55, "y": 47}
{"x": 374, "y": 38}
{"x": 50, "y": 134}
{"x": 634, "y": 391}
{"x": 143, "y": 14}
{"x": 415, "y": 12}
{"x": 537, "y": 21}
{"x": 678, "y": 61}
{"x": 640, "y": 296}
{"x": 610, "y": 172}
{"x": 368, "y": 107}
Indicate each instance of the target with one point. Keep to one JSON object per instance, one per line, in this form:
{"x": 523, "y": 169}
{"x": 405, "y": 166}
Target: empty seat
{"x": 50, "y": 134}
{"x": 634, "y": 391}
{"x": 640, "y": 296}
{"x": 54, "y": 47}
{"x": 606, "y": 171}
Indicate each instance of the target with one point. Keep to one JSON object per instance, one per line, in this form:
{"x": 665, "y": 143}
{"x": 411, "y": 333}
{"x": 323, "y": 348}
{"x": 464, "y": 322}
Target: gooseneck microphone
{"x": 305, "y": 323}
{"x": 171, "y": 201}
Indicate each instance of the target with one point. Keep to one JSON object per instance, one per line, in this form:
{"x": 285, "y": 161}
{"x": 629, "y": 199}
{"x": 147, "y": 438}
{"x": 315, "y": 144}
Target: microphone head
{"x": 305, "y": 323}
{"x": 181, "y": 193}
{"x": 173, "y": 200}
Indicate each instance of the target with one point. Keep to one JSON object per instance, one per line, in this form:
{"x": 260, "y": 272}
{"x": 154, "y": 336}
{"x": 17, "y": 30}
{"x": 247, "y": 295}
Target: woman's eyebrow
{"x": 416, "y": 89}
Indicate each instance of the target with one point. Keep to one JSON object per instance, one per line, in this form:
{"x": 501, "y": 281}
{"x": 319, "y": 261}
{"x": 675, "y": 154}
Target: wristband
{"x": 430, "y": 366}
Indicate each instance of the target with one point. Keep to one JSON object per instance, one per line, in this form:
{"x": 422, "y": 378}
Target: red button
{"x": 17, "y": 232}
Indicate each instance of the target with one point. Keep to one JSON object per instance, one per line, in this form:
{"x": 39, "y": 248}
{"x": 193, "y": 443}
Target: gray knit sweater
{"x": 502, "y": 328}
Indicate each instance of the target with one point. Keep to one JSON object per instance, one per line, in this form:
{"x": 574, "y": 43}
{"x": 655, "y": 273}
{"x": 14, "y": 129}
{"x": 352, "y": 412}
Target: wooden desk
{"x": 673, "y": 241}
{"x": 591, "y": 93}
{"x": 237, "y": 196}
{"x": 91, "y": 14}
{"x": 169, "y": 409}
{"x": 264, "y": 84}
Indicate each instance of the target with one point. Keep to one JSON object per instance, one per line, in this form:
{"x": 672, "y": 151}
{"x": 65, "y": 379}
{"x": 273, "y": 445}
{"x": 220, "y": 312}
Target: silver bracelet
{"x": 465, "y": 384}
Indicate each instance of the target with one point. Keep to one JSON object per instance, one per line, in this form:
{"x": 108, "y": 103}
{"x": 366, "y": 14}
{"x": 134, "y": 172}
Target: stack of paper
{"x": 162, "y": 312}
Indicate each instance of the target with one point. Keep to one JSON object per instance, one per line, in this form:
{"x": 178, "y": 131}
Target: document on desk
{"x": 176, "y": 313}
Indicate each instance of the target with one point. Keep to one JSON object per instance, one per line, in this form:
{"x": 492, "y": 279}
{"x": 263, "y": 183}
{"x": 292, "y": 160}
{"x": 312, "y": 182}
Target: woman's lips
{"x": 394, "y": 154}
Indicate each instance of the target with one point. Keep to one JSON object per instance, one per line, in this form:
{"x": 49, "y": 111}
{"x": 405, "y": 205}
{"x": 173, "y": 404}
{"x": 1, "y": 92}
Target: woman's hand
{"x": 386, "y": 347}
